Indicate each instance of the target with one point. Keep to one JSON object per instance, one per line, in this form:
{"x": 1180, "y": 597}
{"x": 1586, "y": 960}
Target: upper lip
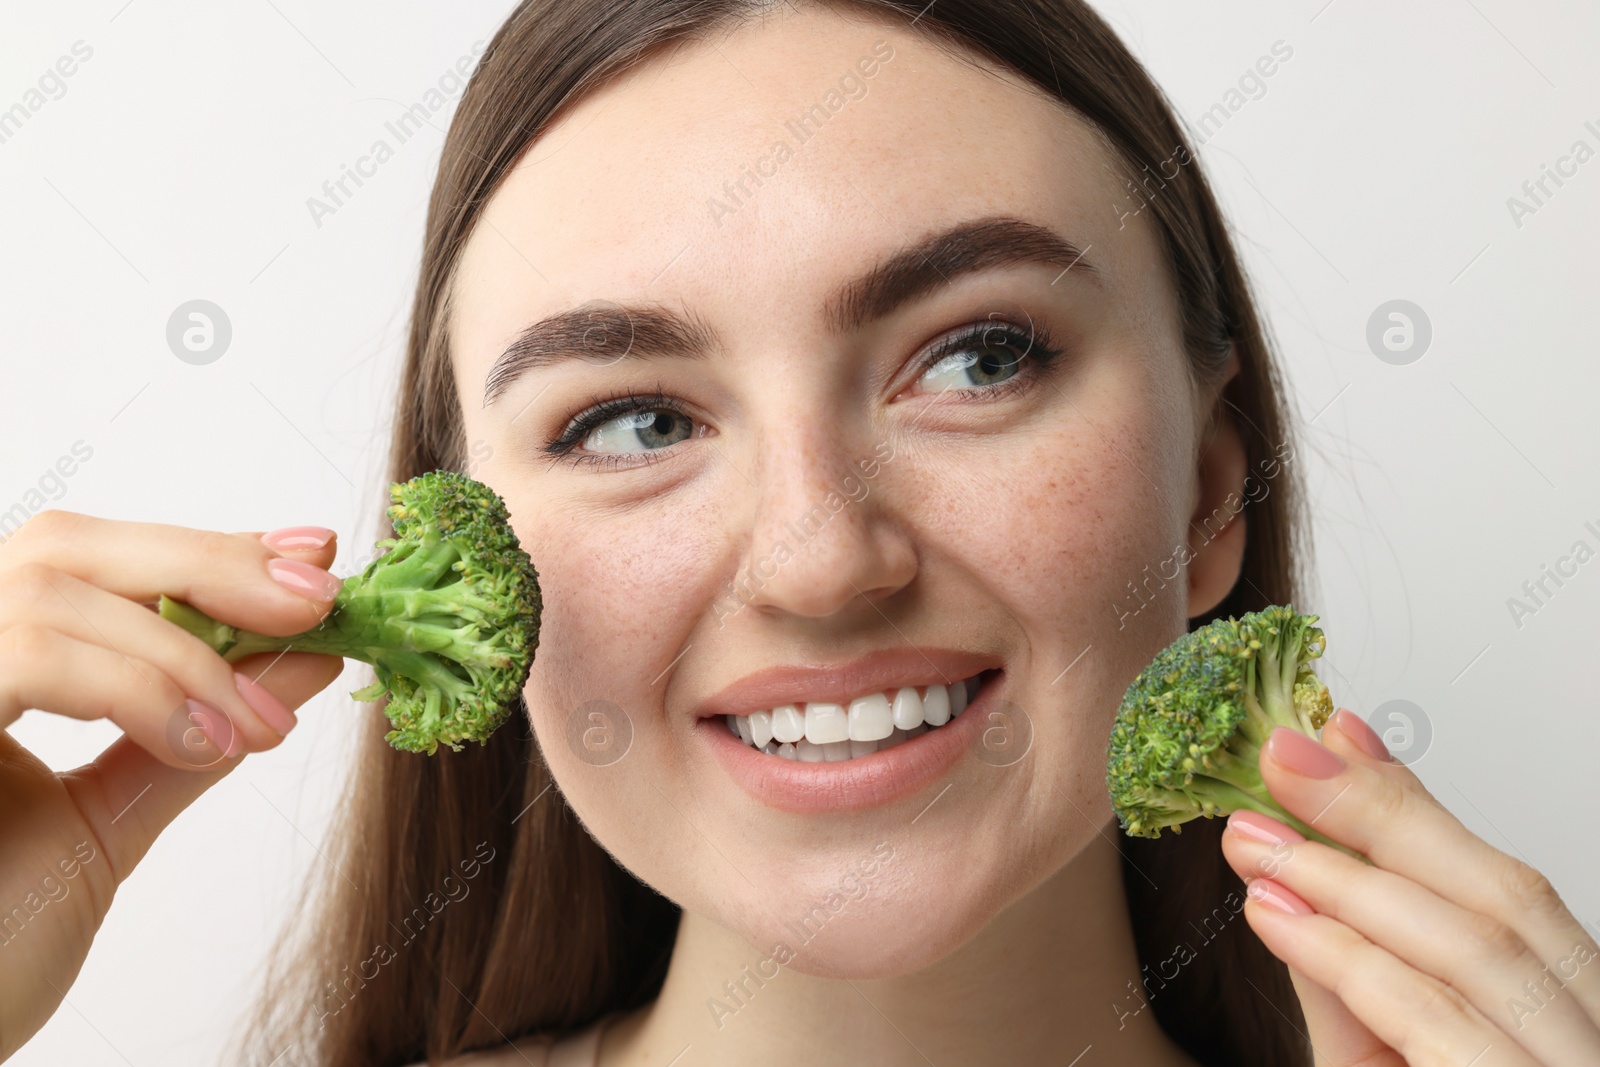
{"x": 886, "y": 668}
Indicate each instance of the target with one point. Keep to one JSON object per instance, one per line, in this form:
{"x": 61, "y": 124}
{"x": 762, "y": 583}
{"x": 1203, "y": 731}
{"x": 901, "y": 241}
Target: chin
{"x": 892, "y": 930}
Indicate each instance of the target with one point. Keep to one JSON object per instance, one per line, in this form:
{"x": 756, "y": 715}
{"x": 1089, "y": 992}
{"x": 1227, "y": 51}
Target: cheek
{"x": 614, "y": 618}
{"x": 621, "y": 595}
{"x": 1063, "y": 518}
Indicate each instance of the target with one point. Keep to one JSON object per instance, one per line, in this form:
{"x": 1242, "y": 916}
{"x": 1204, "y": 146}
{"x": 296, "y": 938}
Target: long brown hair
{"x": 464, "y": 904}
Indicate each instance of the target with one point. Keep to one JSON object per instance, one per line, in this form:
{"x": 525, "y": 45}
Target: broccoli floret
{"x": 448, "y": 616}
{"x": 1191, "y": 726}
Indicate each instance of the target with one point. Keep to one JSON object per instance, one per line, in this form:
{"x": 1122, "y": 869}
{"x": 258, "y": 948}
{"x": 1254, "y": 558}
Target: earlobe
{"x": 1217, "y": 527}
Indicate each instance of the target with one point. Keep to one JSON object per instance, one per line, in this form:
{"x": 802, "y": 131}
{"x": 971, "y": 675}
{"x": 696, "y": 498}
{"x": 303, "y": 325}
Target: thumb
{"x": 127, "y": 796}
{"x": 1338, "y": 1038}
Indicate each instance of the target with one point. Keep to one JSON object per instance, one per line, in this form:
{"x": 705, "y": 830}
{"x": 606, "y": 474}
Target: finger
{"x": 231, "y": 577}
{"x": 38, "y": 594}
{"x": 1426, "y": 1021}
{"x": 45, "y": 669}
{"x": 1381, "y": 809}
{"x": 291, "y": 678}
{"x": 128, "y": 797}
{"x": 315, "y": 545}
{"x": 1338, "y": 1038}
{"x": 1486, "y": 961}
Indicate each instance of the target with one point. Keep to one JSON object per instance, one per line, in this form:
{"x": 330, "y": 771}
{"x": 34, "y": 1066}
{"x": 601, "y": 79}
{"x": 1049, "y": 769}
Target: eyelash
{"x": 1038, "y": 350}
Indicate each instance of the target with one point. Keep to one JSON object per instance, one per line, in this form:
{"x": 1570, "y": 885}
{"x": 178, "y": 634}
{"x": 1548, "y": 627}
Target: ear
{"x": 1217, "y": 523}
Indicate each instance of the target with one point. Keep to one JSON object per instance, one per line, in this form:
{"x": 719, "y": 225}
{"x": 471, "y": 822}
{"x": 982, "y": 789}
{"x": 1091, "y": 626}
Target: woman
{"x": 820, "y": 351}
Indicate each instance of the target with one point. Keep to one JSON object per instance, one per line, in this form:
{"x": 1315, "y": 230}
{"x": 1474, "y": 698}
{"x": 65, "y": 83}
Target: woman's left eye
{"x": 984, "y": 359}
{"x": 984, "y": 356}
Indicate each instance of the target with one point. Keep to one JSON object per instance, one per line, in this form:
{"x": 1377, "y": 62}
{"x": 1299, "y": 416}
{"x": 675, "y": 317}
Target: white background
{"x": 1376, "y": 165}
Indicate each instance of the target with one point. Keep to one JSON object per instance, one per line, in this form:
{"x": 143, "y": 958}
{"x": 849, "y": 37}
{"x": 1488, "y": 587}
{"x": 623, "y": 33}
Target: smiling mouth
{"x": 824, "y": 732}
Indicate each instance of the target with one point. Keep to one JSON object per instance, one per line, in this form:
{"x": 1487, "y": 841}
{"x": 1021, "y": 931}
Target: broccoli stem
{"x": 364, "y": 623}
{"x": 1232, "y": 779}
{"x": 219, "y": 635}
{"x": 1232, "y": 796}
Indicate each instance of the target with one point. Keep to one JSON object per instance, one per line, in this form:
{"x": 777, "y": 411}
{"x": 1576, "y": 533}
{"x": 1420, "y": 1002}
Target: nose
{"x": 826, "y": 532}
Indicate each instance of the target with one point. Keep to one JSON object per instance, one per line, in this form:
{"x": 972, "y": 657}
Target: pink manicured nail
{"x": 1302, "y": 754}
{"x": 1266, "y": 891}
{"x": 1351, "y": 726}
{"x": 313, "y": 583}
{"x": 216, "y": 725}
{"x": 297, "y": 537}
{"x": 269, "y": 707}
{"x": 1258, "y": 827}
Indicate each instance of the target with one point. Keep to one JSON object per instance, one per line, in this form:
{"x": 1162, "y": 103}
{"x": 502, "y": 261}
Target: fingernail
{"x": 1258, "y": 827}
{"x": 269, "y": 707}
{"x": 1302, "y": 754}
{"x": 313, "y": 583}
{"x": 297, "y": 537}
{"x": 1351, "y": 726}
{"x": 217, "y": 727}
{"x": 1266, "y": 891}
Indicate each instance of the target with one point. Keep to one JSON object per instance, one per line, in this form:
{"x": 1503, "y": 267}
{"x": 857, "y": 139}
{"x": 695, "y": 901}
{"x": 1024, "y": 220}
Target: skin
{"x": 1007, "y": 526}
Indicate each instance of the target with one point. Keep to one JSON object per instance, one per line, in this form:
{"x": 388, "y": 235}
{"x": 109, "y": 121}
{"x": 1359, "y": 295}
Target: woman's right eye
{"x": 622, "y": 426}
{"x": 654, "y": 429}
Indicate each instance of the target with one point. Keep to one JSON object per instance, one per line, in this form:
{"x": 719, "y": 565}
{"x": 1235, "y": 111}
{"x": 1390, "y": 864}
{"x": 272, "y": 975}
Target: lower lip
{"x": 870, "y": 781}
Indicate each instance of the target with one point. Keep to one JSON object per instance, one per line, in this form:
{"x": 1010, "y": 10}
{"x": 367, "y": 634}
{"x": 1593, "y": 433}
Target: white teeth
{"x": 870, "y": 718}
{"x": 826, "y": 723}
{"x": 907, "y": 708}
{"x": 821, "y": 732}
{"x": 788, "y": 724}
{"x": 761, "y": 728}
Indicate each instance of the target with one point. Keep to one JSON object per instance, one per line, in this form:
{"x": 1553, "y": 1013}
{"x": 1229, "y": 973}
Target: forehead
{"x": 773, "y": 159}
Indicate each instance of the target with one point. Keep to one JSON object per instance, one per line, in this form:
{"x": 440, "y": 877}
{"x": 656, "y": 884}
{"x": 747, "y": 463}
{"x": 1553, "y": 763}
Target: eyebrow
{"x": 604, "y": 332}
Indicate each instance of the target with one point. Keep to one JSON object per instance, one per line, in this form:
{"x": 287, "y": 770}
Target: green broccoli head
{"x": 448, "y": 616}
{"x": 1190, "y": 729}
{"x": 452, "y": 613}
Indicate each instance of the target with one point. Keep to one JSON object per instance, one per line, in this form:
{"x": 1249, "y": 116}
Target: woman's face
{"x": 904, "y": 435}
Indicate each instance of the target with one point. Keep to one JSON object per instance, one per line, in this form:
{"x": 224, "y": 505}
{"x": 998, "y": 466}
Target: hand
{"x": 1443, "y": 951}
{"x": 78, "y": 638}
